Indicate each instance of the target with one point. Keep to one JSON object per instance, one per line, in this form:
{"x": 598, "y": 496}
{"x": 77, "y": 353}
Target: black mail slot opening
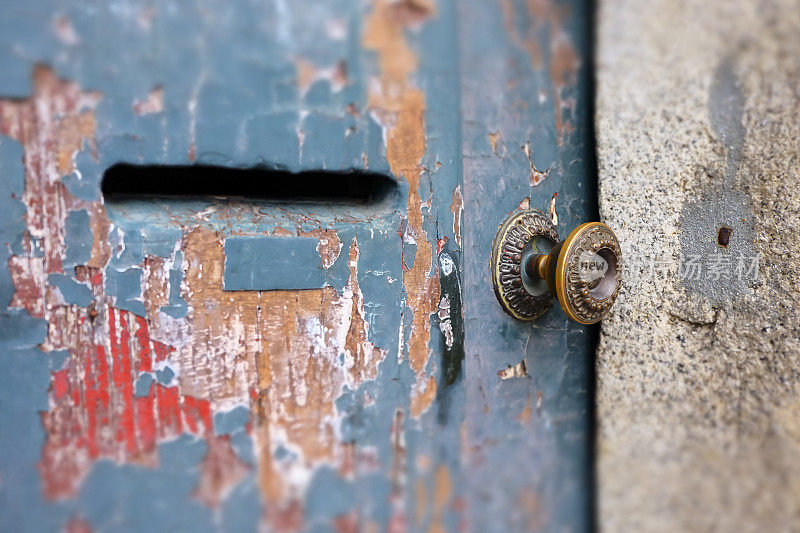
{"x": 258, "y": 183}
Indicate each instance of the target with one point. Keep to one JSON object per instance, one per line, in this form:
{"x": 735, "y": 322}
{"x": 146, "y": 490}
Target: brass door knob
{"x": 531, "y": 266}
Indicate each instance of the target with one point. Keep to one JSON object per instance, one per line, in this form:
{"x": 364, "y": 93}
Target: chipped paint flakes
{"x": 77, "y": 525}
{"x": 513, "y": 371}
{"x": 433, "y": 503}
{"x": 287, "y": 355}
{"x": 156, "y": 286}
{"x": 329, "y": 246}
{"x": 65, "y": 31}
{"x": 494, "y": 137}
{"x": 551, "y": 210}
{"x": 457, "y": 208}
{"x": 529, "y": 45}
{"x": 564, "y": 64}
{"x": 443, "y": 492}
{"x": 526, "y": 413}
{"x": 447, "y": 264}
{"x": 101, "y": 228}
{"x": 281, "y": 346}
{"x": 219, "y": 361}
{"x": 96, "y": 411}
{"x": 413, "y": 13}
{"x": 154, "y": 103}
{"x": 536, "y": 176}
{"x": 336, "y": 29}
{"x": 308, "y": 74}
{"x": 361, "y": 356}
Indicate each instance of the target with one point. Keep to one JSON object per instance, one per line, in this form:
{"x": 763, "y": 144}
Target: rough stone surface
{"x": 698, "y": 107}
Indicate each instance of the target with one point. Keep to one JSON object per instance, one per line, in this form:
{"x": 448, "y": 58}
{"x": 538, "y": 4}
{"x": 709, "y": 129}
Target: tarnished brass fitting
{"x": 531, "y": 267}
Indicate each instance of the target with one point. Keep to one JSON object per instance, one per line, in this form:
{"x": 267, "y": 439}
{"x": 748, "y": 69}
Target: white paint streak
{"x": 447, "y": 264}
{"x": 445, "y": 324}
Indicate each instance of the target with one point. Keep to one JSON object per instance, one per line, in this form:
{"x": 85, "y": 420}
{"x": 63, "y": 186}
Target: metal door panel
{"x": 141, "y": 394}
{"x": 527, "y": 136}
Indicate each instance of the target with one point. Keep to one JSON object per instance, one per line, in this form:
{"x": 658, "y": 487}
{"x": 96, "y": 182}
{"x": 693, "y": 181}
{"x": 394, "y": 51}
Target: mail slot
{"x": 254, "y": 260}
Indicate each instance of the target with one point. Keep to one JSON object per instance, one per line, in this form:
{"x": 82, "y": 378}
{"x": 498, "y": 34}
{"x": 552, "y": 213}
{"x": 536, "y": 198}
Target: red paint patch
{"x": 77, "y": 525}
{"x": 60, "y": 384}
{"x": 96, "y": 415}
{"x": 440, "y": 243}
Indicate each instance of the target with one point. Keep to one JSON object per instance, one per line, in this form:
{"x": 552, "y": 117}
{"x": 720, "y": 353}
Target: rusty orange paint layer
{"x": 457, "y": 208}
{"x": 400, "y": 108}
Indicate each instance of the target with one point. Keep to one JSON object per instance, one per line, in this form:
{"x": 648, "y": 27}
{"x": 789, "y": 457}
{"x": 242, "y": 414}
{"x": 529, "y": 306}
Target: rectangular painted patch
{"x": 272, "y": 263}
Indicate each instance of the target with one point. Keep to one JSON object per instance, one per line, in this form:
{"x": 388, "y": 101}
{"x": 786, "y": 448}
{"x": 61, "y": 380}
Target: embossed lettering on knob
{"x": 531, "y": 267}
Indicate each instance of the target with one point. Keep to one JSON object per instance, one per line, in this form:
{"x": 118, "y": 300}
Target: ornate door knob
{"x": 531, "y": 266}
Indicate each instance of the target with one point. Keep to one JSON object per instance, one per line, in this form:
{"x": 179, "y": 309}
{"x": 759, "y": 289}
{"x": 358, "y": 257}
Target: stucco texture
{"x": 698, "y": 396}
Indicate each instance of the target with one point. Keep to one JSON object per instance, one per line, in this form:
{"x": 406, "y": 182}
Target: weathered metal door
{"x": 325, "y": 353}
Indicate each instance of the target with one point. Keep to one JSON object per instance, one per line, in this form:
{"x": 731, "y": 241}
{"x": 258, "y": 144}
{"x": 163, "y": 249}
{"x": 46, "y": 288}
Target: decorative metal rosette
{"x": 507, "y": 250}
{"x": 588, "y": 300}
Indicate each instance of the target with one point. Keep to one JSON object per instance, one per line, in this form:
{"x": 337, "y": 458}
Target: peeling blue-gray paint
{"x": 78, "y": 239}
{"x": 84, "y": 182}
{"x": 58, "y": 358}
{"x": 20, "y": 330}
{"x": 242, "y": 445}
{"x": 73, "y": 292}
{"x": 165, "y": 375}
{"x": 272, "y": 263}
{"x": 130, "y": 498}
{"x": 549, "y": 456}
{"x": 12, "y": 210}
{"x": 178, "y": 307}
{"x": 329, "y": 495}
{"x": 126, "y": 285}
{"x": 23, "y": 395}
{"x": 143, "y": 385}
{"x": 229, "y": 422}
{"x": 242, "y": 508}
{"x": 282, "y": 453}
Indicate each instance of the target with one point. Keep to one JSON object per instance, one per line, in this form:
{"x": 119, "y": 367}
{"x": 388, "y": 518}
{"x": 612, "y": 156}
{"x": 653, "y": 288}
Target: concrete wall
{"x": 698, "y": 125}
